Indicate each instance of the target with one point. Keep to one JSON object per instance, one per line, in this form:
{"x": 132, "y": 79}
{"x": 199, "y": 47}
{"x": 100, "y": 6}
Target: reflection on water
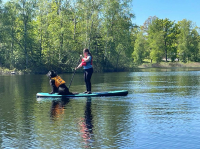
{"x": 86, "y": 125}
{"x": 161, "y": 111}
{"x": 58, "y": 107}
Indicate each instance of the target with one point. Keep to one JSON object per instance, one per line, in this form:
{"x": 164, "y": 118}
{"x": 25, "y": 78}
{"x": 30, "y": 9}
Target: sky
{"x": 175, "y": 10}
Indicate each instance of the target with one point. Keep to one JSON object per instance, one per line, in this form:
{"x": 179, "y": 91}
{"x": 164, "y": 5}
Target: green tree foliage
{"x": 169, "y": 33}
{"x": 116, "y": 26}
{"x": 42, "y": 35}
{"x": 188, "y": 41}
{"x": 140, "y": 47}
{"x": 156, "y": 47}
{"x": 195, "y": 45}
{"x": 51, "y": 34}
{"x": 156, "y": 39}
{"x": 161, "y": 38}
{"x": 184, "y": 39}
{"x": 167, "y": 39}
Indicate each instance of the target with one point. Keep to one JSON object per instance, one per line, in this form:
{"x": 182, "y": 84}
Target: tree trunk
{"x": 12, "y": 48}
{"x": 25, "y": 40}
{"x": 117, "y": 63}
{"x": 166, "y": 51}
{"x": 40, "y": 44}
{"x": 86, "y": 43}
{"x": 74, "y": 28}
{"x": 25, "y": 34}
{"x": 61, "y": 38}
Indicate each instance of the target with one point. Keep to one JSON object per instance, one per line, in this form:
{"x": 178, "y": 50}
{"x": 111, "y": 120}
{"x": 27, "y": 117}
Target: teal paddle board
{"x": 94, "y": 94}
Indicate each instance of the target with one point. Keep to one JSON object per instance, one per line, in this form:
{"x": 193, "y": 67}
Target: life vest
{"x": 58, "y": 81}
{"x": 83, "y": 63}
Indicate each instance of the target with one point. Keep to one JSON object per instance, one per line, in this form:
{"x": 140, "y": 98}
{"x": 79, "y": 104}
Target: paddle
{"x": 74, "y": 73}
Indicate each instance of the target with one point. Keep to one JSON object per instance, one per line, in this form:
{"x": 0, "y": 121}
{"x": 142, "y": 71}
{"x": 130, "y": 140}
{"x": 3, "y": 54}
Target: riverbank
{"x": 167, "y": 65}
{"x": 170, "y": 65}
{"x": 6, "y": 71}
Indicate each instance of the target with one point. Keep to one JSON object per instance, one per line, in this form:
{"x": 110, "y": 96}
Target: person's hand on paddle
{"x": 78, "y": 67}
{"x": 81, "y": 56}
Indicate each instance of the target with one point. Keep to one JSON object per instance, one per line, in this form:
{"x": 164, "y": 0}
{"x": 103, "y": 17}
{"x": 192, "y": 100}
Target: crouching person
{"x": 57, "y": 84}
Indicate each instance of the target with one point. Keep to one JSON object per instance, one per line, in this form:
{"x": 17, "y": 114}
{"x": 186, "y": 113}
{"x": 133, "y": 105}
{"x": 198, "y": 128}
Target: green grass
{"x": 170, "y": 65}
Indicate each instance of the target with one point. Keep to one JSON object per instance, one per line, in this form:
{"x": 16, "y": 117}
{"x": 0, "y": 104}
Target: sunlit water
{"x": 160, "y": 111}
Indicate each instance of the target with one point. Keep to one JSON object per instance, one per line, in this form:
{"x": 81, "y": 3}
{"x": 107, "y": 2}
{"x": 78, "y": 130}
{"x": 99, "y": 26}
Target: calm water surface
{"x": 162, "y": 110}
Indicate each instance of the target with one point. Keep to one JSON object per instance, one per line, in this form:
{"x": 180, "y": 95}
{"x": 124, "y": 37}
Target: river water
{"x": 162, "y": 110}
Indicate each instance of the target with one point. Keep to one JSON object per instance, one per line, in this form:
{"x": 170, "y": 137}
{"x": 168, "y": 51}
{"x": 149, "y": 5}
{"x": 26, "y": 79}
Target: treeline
{"x": 164, "y": 40}
{"x": 39, "y": 35}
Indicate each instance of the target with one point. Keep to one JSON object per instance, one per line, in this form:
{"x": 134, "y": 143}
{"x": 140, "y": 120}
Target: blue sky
{"x": 173, "y": 9}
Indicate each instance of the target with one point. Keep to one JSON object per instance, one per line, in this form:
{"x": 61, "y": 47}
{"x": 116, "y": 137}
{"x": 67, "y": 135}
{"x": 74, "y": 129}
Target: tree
{"x": 187, "y": 41}
{"x": 169, "y": 33}
{"x": 194, "y": 45}
{"x": 116, "y": 27}
{"x": 139, "y": 48}
{"x": 156, "y": 45}
{"x": 45, "y": 34}
{"x": 156, "y": 28}
{"x": 156, "y": 40}
{"x": 9, "y": 32}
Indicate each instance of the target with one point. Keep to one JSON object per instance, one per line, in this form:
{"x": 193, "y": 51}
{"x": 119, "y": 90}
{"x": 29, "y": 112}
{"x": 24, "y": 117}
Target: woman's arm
{"x": 79, "y": 66}
{"x": 87, "y": 59}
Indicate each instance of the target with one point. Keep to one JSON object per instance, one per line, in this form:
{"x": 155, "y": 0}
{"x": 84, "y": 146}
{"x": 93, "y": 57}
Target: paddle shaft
{"x": 74, "y": 74}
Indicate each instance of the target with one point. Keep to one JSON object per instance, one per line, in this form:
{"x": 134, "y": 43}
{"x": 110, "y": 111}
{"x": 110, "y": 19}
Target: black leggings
{"x": 87, "y": 77}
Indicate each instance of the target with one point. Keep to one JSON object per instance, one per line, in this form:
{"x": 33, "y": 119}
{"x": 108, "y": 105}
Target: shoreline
{"x": 6, "y": 71}
{"x": 162, "y": 65}
{"x": 170, "y": 65}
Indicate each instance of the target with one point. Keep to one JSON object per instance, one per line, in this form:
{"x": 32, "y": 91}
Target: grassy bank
{"x": 170, "y": 65}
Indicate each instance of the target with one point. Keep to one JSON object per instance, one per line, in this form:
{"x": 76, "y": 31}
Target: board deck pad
{"x": 101, "y": 94}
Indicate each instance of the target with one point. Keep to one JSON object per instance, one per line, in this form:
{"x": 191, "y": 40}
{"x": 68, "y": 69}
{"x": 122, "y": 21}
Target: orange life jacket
{"x": 58, "y": 81}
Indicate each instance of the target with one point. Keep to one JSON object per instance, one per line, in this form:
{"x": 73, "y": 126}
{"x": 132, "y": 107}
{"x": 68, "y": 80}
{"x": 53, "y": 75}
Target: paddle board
{"x": 94, "y": 94}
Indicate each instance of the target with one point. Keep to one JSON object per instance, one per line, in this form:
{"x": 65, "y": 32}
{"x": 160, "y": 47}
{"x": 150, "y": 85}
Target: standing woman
{"x": 87, "y": 66}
